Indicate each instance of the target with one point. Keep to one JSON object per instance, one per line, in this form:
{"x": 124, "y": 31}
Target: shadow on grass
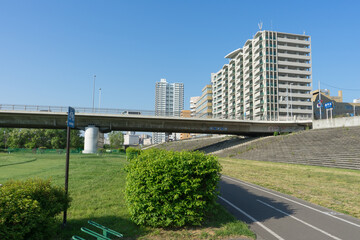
{"x": 124, "y": 226}
{"x": 17, "y": 163}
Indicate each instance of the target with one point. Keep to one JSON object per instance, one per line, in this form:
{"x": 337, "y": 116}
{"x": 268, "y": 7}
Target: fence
{"x": 57, "y": 109}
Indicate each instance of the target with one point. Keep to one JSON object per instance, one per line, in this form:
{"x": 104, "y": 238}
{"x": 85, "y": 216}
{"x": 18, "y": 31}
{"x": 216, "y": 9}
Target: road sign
{"x": 70, "y": 124}
{"x": 318, "y": 105}
{"x": 71, "y": 117}
{"x": 328, "y": 105}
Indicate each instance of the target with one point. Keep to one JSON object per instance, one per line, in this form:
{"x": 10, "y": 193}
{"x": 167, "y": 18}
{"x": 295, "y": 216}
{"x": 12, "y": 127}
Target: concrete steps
{"x": 336, "y": 147}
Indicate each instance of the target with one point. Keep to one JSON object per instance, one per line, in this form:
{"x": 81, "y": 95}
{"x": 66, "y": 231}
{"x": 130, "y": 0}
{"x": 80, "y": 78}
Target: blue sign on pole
{"x": 71, "y": 117}
{"x": 328, "y": 105}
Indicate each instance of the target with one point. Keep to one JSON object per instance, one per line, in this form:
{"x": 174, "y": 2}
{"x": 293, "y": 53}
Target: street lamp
{"x": 93, "y": 98}
{"x": 291, "y": 99}
{"x": 99, "y": 97}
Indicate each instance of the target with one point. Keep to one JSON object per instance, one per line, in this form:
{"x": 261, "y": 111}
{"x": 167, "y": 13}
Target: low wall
{"x": 336, "y": 122}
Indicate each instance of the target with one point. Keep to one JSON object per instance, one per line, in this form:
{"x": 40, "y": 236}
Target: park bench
{"x": 104, "y": 236}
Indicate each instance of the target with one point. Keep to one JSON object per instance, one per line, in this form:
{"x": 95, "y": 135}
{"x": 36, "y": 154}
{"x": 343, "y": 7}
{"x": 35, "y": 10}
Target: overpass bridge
{"x": 93, "y": 121}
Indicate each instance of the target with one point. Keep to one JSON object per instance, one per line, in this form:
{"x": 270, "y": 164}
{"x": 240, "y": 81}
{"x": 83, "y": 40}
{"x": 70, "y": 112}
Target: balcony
{"x": 295, "y": 103}
{"x": 295, "y": 79}
{"x": 258, "y": 71}
{"x": 295, "y": 64}
{"x": 296, "y": 41}
{"x": 295, "y": 49}
{"x": 294, "y": 56}
{"x": 295, "y": 87}
{"x": 295, "y": 110}
{"x": 298, "y": 72}
{"x": 296, "y": 95}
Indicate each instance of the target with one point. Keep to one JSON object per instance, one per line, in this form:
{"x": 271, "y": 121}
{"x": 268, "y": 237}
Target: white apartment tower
{"x": 193, "y": 104}
{"x": 169, "y": 101}
{"x": 268, "y": 79}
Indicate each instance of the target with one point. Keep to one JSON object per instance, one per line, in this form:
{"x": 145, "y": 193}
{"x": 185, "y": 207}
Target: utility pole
{"x": 93, "y": 98}
{"x": 354, "y": 111}
{"x": 320, "y": 99}
{"x": 291, "y": 106}
{"x": 99, "y": 97}
{"x": 287, "y": 103}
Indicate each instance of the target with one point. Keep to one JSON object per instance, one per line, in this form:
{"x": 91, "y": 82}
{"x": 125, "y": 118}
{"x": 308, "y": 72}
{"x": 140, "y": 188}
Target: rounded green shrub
{"x": 171, "y": 189}
{"x": 28, "y": 209}
{"x": 132, "y": 153}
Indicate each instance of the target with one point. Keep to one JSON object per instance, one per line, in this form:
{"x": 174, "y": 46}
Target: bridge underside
{"x": 109, "y": 122}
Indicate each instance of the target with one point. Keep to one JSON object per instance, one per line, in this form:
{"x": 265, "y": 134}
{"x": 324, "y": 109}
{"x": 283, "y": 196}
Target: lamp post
{"x": 287, "y": 104}
{"x": 93, "y": 98}
{"x": 99, "y": 97}
{"x": 291, "y": 105}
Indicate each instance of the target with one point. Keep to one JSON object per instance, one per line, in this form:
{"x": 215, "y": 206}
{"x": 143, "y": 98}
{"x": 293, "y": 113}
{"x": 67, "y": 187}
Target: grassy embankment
{"x": 96, "y": 186}
{"x": 337, "y": 189}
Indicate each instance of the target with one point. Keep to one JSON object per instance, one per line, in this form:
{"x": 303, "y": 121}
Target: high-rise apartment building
{"x": 204, "y": 103}
{"x": 193, "y": 102}
{"x": 268, "y": 79}
{"x": 169, "y": 101}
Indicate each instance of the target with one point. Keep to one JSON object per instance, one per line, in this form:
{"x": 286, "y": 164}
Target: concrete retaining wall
{"x": 336, "y": 122}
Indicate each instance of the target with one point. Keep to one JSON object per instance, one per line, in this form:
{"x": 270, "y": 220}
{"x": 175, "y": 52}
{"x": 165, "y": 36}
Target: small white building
{"x": 131, "y": 140}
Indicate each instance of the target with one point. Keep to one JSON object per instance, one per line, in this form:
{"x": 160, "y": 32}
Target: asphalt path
{"x": 272, "y": 215}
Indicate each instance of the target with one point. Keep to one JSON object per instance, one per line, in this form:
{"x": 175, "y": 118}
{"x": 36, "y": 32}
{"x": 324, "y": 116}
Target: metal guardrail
{"x": 40, "y": 108}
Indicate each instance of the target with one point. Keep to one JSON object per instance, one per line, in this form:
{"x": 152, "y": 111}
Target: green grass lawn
{"x": 334, "y": 188}
{"x": 96, "y": 185}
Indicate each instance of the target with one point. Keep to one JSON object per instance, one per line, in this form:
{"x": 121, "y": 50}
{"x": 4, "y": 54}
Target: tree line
{"x": 39, "y": 138}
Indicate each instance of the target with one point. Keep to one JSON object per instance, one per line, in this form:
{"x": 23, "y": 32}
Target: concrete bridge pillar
{"x": 91, "y": 139}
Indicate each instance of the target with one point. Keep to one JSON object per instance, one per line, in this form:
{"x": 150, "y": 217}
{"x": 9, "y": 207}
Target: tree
{"x": 76, "y": 140}
{"x": 116, "y": 139}
{"x": 4, "y": 135}
{"x": 35, "y": 138}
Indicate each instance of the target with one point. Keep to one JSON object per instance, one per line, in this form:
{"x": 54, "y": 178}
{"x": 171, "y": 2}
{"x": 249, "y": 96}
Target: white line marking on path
{"x": 253, "y": 219}
{"x": 307, "y": 224}
{"x": 290, "y": 200}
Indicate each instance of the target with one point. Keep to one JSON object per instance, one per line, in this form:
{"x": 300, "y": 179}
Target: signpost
{"x": 328, "y": 107}
{"x": 70, "y": 124}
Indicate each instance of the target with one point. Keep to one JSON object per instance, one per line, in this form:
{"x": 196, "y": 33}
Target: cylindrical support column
{"x": 91, "y": 139}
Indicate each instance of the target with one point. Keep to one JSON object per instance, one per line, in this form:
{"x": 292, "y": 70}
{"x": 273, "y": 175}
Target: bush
{"x": 101, "y": 150}
{"x": 132, "y": 153}
{"x": 28, "y": 209}
{"x": 276, "y": 133}
{"x": 171, "y": 189}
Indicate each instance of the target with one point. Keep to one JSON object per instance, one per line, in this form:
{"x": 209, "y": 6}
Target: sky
{"x": 51, "y": 50}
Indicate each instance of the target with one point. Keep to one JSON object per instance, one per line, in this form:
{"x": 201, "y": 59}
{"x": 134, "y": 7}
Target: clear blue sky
{"x": 50, "y": 50}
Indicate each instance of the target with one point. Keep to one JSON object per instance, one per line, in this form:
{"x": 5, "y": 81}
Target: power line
{"x": 346, "y": 89}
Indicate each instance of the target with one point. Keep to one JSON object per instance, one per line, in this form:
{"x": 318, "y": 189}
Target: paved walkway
{"x": 272, "y": 215}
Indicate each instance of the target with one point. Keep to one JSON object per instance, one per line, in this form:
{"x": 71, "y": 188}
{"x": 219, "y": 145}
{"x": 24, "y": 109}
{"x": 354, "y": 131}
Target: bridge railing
{"x": 40, "y": 108}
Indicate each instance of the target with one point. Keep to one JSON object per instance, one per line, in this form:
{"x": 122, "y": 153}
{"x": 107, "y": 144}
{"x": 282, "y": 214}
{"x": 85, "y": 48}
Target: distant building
{"x": 145, "y": 139}
{"x": 204, "y": 103}
{"x": 193, "y": 102}
{"x": 131, "y": 140}
{"x": 169, "y": 101}
{"x": 340, "y": 108}
{"x": 185, "y": 114}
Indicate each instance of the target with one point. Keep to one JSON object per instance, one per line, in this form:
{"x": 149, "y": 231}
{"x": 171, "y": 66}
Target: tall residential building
{"x": 193, "y": 101}
{"x": 204, "y": 103}
{"x": 169, "y": 101}
{"x": 268, "y": 79}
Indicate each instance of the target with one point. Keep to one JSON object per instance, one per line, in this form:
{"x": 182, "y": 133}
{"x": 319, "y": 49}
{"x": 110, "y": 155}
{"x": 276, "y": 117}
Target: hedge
{"x": 132, "y": 153}
{"x": 28, "y": 209}
{"x": 171, "y": 189}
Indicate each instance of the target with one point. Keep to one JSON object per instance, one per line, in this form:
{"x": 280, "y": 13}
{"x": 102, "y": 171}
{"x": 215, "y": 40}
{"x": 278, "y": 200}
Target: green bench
{"x": 104, "y": 236}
